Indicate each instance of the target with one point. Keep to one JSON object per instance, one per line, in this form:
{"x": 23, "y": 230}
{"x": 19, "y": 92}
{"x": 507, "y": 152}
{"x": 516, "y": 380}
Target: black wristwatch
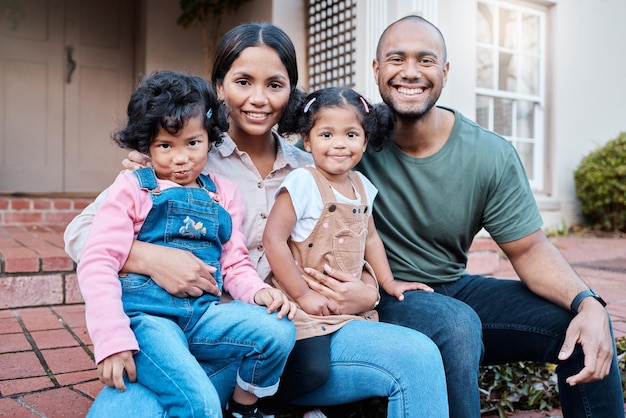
{"x": 583, "y": 295}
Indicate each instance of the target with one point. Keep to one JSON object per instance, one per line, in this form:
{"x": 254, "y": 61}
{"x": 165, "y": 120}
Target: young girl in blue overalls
{"x": 140, "y": 332}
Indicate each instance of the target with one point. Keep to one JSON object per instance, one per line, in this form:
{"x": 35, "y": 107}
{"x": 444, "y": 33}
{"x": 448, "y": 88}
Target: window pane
{"x": 529, "y": 67}
{"x": 484, "y": 68}
{"x": 507, "y": 76}
{"x": 508, "y": 28}
{"x": 525, "y": 151}
{"x": 483, "y": 104}
{"x": 485, "y": 24}
{"x": 525, "y": 119}
{"x": 503, "y": 116}
{"x": 530, "y": 30}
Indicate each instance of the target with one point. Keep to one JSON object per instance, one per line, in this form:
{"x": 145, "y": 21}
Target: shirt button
{"x": 260, "y": 185}
{"x": 259, "y": 248}
{"x": 263, "y": 215}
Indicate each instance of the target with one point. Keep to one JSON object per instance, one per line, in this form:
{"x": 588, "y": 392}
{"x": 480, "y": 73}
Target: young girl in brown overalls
{"x": 321, "y": 217}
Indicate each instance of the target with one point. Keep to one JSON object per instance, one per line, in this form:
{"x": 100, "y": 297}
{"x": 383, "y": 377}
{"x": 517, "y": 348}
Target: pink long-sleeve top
{"x": 115, "y": 227}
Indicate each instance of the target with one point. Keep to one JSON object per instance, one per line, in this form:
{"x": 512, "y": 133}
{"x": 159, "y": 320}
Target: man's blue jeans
{"x": 478, "y": 320}
{"x": 368, "y": 359}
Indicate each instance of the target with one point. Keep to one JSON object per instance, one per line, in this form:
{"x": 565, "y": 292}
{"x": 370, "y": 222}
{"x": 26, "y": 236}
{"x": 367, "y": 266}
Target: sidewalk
{"x": 46, "y": 361}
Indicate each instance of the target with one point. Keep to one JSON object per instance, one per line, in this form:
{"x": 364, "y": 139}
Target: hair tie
{"x": 209, "y": 113}
{"x": 308, "y": 105}
{"x": 367, "y": 109}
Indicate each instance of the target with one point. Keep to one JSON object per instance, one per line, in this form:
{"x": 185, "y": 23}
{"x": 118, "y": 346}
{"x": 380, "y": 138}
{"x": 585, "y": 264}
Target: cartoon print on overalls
{"x": 192, "y": 229}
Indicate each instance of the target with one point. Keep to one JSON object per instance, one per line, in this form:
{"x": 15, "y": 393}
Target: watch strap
{"x": 583, "y": 295}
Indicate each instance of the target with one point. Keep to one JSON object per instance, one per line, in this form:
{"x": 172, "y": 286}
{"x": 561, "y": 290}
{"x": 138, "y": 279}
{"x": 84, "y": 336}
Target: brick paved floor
{"x": 46, "y": 361}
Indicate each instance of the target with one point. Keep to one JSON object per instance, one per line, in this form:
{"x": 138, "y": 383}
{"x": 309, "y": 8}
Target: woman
{"x": 255, "y": 74}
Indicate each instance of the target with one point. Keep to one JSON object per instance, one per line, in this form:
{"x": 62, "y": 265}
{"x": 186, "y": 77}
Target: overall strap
{"x": 207, "y": 183}
{"x": 326, "y": 190}
{"x": 323, "y": 185}
{"x": 147, "y": 180}
{"x": 358, "y": 184}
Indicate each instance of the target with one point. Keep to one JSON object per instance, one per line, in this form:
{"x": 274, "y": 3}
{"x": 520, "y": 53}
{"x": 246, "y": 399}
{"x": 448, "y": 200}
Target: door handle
{"x": 71, "y": 64}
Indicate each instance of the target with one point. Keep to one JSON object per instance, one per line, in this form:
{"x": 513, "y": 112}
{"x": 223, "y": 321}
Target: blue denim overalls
{"x": 175, "y": 334}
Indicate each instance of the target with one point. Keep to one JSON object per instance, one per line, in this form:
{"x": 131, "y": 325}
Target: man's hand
{"x": 276, "y": 300}
{"x": 352, "y": 295}
{"x": 589, "y": 328}
{"x": 111, "y": 370}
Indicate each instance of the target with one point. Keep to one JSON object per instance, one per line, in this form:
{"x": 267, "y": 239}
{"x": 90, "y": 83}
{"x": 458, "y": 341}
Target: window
{"x": 331, "y": 43}
{"x": 510, "y": 79}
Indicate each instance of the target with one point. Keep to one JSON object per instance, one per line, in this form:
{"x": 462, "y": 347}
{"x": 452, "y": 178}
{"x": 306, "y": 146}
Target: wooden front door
{"x": 66, "y": 72}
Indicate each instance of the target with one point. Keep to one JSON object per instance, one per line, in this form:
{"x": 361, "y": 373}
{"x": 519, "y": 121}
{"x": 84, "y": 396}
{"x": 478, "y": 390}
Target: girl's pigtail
{"x": 291, "y": 120}
{"x": 384, "y": 127}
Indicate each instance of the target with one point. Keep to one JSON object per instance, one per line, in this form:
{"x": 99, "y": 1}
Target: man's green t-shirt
{"x": 428, "y": 210}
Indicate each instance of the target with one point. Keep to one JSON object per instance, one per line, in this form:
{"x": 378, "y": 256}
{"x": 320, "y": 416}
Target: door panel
{"x": 31, "y": 99}
{"x": 55, "y": 134}
{"x": 100, "y": 34}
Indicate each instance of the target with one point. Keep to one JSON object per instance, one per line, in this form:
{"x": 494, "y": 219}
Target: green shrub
{"x": 601, "y": 186}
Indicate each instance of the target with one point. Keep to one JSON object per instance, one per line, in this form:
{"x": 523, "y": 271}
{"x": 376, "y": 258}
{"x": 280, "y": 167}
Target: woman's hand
{"x": 136, "y": 160}
{"x": 315, "y": 304}
{"x": 111, "y": 370}
{"x": 177, "y": 271}
{"x": 351, "y": 295}
{"x": 275, "y": 300}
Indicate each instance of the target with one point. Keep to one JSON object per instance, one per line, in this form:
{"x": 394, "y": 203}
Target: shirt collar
{"x": 286, "y": 155}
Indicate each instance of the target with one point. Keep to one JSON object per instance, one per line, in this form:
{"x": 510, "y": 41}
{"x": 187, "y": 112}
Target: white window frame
{"x": 537, "y": 174}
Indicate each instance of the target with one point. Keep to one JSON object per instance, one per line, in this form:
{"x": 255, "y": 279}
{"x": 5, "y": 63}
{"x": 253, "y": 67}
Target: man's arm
{"x": 546, "y": 272}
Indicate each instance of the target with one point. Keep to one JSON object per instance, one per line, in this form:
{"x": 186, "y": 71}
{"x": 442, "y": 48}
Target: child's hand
{"x": 111, "y": 370}
{"x": 276, "y": 300}
{"x": 315, "y": 304}
{"x": 397, "y": 288}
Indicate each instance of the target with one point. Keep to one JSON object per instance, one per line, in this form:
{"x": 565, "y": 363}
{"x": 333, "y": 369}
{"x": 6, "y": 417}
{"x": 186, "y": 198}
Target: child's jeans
{"x": 174, "y": 334}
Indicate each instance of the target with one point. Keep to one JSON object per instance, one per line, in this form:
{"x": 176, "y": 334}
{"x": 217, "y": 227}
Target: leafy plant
{"x": 13, "y": 11}
{"x": 518, "y": 386}
{"x": 601, "y": 186}
{"x": 208, "y": 15}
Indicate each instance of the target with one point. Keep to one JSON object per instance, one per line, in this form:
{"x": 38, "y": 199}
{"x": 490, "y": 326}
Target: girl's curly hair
{"x": 377, "y": 121}
{"x": 166, "y": 100}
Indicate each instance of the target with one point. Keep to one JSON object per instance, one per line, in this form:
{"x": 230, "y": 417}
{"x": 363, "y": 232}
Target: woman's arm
{"x": 179, "y": 272}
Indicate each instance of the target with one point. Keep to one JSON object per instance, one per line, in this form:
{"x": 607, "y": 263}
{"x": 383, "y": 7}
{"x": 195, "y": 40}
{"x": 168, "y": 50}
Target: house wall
{"x": 162, "y": 44}
{"x": 588, "y": 103}
{"x": 586, "y": 91}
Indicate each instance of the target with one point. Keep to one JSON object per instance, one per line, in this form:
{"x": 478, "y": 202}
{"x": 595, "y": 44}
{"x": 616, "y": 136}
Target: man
{"x": 441, "y": 179}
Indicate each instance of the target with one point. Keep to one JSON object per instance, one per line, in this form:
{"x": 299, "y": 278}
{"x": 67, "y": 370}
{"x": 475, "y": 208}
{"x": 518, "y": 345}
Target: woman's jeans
{"x": 368, "y": 359}
{"x": 481, "y": 321}
{"x": 237, "y": 340}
